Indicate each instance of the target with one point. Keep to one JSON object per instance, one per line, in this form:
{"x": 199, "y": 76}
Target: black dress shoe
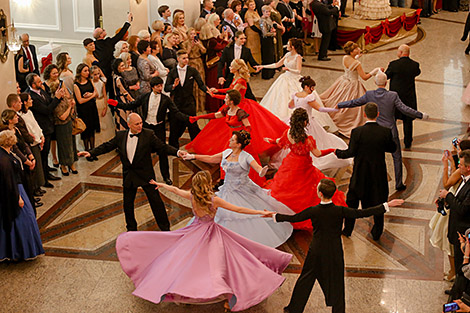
{"x": 467, "y": 51}
{"x": 168, "y": 181}
{"x": 345, "y": 234}
{"x": 52, "y": 177}
{"x": 324, "y": 59}
{"x": 38, "y": 204}
{"x": 41, "y": 191}
{"x": 400, "y": 188}
{"x": 447, "y": 292}
{"x": 344, "y": 15}
{"x": 95, "y": 158}
{"x": 89, "y": 159}
{"x": 48, "y": 185}
{"x": 51, "y": 169}
{"x": 464, "y": 37}
{"x": 37, "y": 199}
{"x": 37, "y": 194}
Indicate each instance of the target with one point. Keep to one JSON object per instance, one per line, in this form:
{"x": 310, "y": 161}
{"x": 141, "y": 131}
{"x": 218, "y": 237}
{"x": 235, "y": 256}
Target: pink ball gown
{"x": 201, "y": 263}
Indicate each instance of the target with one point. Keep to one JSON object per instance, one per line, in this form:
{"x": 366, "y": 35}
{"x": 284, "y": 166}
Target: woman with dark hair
{"x": 19, "y": 232}
{"x": 240, "y": 190}
{"x": 122, "y": 92}
{"x": 146, "y": 69}
{"x": 237, "y": 114}
{"x": 280, "y": 93}
{"x": 296, "y": 181}
{"x": 203, "y": 262}
{"x": 133, "y": 42}
{"x": 348, "y": 87}
{"x": 85, "y": 98}
{"x": 307, "y": 100}
{"x": 63, "y": 60}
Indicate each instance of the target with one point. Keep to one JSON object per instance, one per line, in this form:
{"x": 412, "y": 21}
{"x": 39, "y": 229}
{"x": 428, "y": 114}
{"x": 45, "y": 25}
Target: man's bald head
{"x": 403, "y": 51}
{"x": 134, "y": 121}
{"x": 381, "y": 79}
{"x": 25, "y": 39}
{"x": 99, "y": 33}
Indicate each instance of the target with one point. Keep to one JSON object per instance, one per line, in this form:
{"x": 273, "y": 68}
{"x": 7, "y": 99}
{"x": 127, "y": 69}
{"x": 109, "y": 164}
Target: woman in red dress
{"x": 248, "y": 115}
{"x": 295, "y": 183}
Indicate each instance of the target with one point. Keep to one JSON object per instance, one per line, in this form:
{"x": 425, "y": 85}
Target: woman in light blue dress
{"x": 240, "y": 190}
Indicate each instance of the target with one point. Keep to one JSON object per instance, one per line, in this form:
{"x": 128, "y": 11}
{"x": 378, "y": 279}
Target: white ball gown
{"x": 373, "y": 10}
{"x": 323, "y": 139}
{"x": 279, "y": 94}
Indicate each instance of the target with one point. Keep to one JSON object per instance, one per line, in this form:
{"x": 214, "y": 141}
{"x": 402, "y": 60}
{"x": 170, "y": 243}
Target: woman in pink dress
{"x": 296, "y": 181}
{"x": 203, "y": 262}
{"x": 348, "y": 87}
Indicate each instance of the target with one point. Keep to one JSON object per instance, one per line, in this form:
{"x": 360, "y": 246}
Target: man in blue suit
{"x": 388, "y": 102}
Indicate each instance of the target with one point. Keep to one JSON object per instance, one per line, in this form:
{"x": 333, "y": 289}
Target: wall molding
{"x": 54, "y": 27}
{"x": 76, "y": 27}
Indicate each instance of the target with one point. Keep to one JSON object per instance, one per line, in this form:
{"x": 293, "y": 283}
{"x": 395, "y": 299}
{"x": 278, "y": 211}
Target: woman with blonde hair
{"x": 158, "y": 27}
{"x": 170, "y": 47}
{"x": 130, "y": 75}
{"x": 253, "y": 40}
{"x": 239, "y": 113}
{"x": 348, "y": 87}
{"x": 120, "y": 47}
{"x": 196, "y": 50}
{"x": 19, "y": 231}
{"x": 215, "y": 42}
{"x": 172, "y": 266}
{"x": 179, "y": 26}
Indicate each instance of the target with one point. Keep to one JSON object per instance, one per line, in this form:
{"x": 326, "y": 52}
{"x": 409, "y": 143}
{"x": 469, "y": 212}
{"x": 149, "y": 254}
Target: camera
{"x": 455, "y": 142}
{"x": 440, "y": 206}
{"x": 450, "y": 307}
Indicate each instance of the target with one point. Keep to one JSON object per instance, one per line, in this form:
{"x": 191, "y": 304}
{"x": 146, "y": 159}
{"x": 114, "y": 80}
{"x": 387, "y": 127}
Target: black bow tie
{"x": 135, "y": 135}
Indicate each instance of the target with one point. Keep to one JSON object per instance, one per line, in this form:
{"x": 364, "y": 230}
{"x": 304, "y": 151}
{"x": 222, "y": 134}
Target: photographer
{"x": 459, "y": 207}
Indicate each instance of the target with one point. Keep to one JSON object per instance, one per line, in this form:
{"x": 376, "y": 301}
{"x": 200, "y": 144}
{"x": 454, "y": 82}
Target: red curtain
{"x": 373, "y": 35}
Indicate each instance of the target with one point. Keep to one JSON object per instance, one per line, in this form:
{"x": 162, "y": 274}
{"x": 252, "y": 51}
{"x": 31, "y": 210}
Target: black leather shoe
{"x": 467, "y": 51}
{"x": 37, "y": 199}
{"x": 51, "y": 169}
{"x": 37, "y": 194}
{"x": 324, "y": 59}
{"x": 168, "y": 181}
{"x": 48, "y": 185}
{"x": 401, "y": 188}
{"x": 38, "y": 204}
{"x": 52, "y": 177}
{"x": 345, "y": 234}
{"x": 344, "y": 15}
{"x": 447, "y": 292}
{"x": 89, "y": 159}
{"x": 464, "y": 37}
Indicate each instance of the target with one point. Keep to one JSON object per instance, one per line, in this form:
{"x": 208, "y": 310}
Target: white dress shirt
{"x": 154, "y": 104}
{"x": 182, "y": 73}
{"x": 32, "y": 126}
{"x": 237, "y": 51}
{"x": 464, "y": 181}
{"x": 131, "y": 146}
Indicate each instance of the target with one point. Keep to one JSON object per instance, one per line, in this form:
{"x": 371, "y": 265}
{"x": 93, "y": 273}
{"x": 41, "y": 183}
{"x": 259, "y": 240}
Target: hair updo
{"x": 243, "y": 137}
{"x": 350, "y": 47}
{"x": 307, "y": 81}
{"x": 297, "y": 45}
{"x": 298, "y": 121}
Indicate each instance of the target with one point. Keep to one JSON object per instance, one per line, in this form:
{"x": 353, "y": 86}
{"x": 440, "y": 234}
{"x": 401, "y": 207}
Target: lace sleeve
{"x": 224, "y": 111}
{"x": 242, "y": 114}
{"x": 311, "y": 143}
{"x": 283, "y": 141}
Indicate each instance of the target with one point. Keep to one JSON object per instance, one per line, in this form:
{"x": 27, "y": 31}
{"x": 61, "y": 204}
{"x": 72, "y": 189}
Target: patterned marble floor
{"x": 401, "y": 273}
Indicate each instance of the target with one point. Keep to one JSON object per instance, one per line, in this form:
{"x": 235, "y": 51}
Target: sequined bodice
{"x": 235, "y": 175}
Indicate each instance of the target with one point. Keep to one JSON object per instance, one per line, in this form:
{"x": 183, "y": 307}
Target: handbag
{"x": 213, "y": 61}
{"x": 78, "y": 126}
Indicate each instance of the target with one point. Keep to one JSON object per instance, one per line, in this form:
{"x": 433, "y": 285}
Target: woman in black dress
{"x": 268, "y": 31}
{"x": 85, "y": 98}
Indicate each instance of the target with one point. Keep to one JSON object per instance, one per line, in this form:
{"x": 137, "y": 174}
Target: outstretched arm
{"x": 353, "y": 103}
{"x": 231, "y": 207}
{"x": 216, "y": 158}
{"x": 180, "y": 192}
{"x": 306, "y": 214}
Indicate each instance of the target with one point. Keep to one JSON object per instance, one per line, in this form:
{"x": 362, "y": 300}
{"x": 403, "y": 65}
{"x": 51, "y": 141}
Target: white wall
{"x": 7, "y": 78}
{"x": 191, "y": 9}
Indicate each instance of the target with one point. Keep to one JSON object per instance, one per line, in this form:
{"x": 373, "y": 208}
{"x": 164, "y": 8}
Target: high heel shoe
{"x": 73, "y": 171}
{"x": 64, "y": 173}
{"x": 55, "y": 164}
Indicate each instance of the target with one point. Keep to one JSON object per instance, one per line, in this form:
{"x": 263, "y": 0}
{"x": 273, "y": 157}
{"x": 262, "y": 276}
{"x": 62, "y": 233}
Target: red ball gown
{"x": 295, "y": 183}
{"x": 215, "y": 135}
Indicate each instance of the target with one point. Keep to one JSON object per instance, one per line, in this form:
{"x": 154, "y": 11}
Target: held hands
{"x": 395, "y": 202}
{"x": 214, "y": 90}
{"x": 189, "y": 157}
{"x": 84, "y": 154}
{"x": 258, "y": 68}
{"x": 182, "y": 153}
{"x": 267, "y": 213}
{"x": 263, "y": 171}
{"x": 193, "y": 119}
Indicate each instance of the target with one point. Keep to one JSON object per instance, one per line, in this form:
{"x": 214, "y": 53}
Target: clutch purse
{"x": 213, "y": 61}
{"x": 78, "y": 126}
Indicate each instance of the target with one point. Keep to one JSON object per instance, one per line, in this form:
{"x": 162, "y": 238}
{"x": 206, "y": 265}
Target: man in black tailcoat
{"x": 402, "y": 74}
{"x": 326, "y": 15}
{"x": 367, "y": 146}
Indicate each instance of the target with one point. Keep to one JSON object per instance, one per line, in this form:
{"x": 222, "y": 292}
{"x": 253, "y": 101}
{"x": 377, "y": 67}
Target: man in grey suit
{"x": 388, "y": 102}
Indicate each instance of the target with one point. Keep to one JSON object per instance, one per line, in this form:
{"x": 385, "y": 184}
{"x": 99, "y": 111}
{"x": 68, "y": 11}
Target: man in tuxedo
{"x": 324, "y": 261}
{"x": 30, "y": 53}
{"x": 230, "y": 24}
{"x": 402, "y": 74}
{"x": 367, "y": 146}
{"x": 104, "y": 49}
{"x": 288, "y": 20}
{"x": 135, "y": 147}
{"x": 207, "y": 8}
{"x": 388, "y": 102}
{"x": 43, "y": 109}
{"x": 154, "y": 108}
{"x": 459, "y": 208}
{"x": 326, "y": 15}
{"x": 236, "y": 50}
{"x": 179, "y": 84}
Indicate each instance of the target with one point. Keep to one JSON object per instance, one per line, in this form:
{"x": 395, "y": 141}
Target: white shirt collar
{"x": 326, "y": 202}
{"x": 182, "y": 68}
{"x": 369, "y": 121}
{"x": 465, "y": 178}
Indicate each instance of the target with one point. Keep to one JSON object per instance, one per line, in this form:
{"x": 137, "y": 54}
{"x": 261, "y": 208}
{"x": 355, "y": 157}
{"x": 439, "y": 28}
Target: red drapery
{"x": 373, "y": 35}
